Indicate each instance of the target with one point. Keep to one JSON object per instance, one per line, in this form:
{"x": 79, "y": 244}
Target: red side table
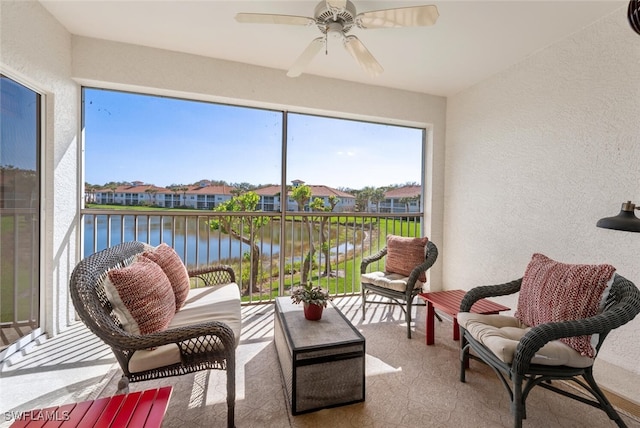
{"x": 136, "y": 409}
{"x": 449, "y": 302}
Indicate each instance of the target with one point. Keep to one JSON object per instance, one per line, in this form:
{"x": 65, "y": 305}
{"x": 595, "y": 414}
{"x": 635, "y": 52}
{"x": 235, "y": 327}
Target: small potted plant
{"x": 314, "y": 299}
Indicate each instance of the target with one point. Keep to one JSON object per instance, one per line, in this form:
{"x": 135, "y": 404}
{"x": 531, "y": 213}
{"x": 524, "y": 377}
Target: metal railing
{"x": 269, "y": 251}
{"x": 19, "y": 273}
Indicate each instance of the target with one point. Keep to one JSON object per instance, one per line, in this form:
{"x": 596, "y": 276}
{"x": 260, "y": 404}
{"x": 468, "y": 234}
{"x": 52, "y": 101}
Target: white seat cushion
{"x": 393, "y": 281}
{"x": 501, "y": 334}
{"x": 220, "y": 303}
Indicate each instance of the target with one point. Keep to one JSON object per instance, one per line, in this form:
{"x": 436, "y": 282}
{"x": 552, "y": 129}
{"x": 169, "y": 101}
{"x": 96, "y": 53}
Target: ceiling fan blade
{"x": 362, "y": 56}
{"x": 265, "y": 18}
{"x": 336, "y": 4}
{"x": 418, "y": 16}
{"x": 305, "y": 58}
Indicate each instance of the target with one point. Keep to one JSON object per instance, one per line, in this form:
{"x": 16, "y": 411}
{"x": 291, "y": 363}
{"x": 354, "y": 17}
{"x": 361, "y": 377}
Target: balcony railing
{"x": 19, "y": 274}
{"x": 270, "y": 252}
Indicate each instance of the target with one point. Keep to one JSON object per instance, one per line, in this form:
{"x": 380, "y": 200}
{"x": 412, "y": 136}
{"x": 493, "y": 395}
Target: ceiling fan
{"x": 335, "y": 18}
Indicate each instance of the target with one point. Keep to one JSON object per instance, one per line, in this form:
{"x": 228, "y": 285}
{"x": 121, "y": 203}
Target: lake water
{"x": 190, "y": 237}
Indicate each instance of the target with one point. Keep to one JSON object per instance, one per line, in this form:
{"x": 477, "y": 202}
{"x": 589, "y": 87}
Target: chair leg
{"x": 517, "y": 406}
{"x": 464, "y": 358}
{"x": 231, "y": 391}
{"x": 408, "y": 318}
{"x": 602, "y": 399}
{"x": 364, "y": 301}
{"x": 123, "y": 385}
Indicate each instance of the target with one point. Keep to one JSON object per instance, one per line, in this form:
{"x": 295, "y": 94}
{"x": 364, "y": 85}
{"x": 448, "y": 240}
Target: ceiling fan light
{"x": 334, "y": 31}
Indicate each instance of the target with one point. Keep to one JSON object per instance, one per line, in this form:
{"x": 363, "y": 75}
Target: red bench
{"x": 136, "y": 409}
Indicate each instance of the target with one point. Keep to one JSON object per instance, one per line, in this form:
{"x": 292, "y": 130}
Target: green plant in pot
{"x": 314, "y": 298}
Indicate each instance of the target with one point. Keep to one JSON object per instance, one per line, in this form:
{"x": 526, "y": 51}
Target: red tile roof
{"x": 210, "y": 190}
{"x": 319, "y": 191}
{"x": 140, "y": 188}
{"x": 403, "y": 192}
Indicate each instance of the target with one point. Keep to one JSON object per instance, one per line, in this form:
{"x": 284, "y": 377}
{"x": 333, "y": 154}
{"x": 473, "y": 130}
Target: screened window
{"x": 19, "y": 210}
{"x": 176, "y": 145}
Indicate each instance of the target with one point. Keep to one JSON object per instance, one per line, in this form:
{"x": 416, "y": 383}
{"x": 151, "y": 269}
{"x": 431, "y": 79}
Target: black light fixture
{"x": 626, "y": 220}
{"x": 634, "y": 15}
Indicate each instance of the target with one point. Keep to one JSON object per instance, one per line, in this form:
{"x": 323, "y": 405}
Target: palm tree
{"x": 244, "y": 229}
{"x": 89, "y": 192}
{"x": 406, "y": 201}
{"x": 378, "y": 196}
{"x": 151, "y": 191}
{"x": 363, "y": 197}
{"x": 318, "y": 205}
{"x": 112, "y": 188}
{"x": 301, "y": 195}
{"x": 184, "y": 189}
{"x": 175, "y": 189}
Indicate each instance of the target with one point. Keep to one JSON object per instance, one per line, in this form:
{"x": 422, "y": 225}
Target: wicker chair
{"x": 622, "y": 305}
{"x": 403, "y": 297}
{"x": 208, "y": 345}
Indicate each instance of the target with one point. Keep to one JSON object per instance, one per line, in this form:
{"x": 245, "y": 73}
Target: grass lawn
{"x": 349, "y": 282}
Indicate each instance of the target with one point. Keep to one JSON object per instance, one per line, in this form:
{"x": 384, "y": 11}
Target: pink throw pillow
{"x": 552, "y": 291}
{"x": 404, "y": 254}
{"x": 170, "y": 262}
{"x": 141, "y": 297}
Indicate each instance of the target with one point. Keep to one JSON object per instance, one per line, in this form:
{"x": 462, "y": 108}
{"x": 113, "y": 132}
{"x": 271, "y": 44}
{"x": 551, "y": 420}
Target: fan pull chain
{"x": 326, "y": 43}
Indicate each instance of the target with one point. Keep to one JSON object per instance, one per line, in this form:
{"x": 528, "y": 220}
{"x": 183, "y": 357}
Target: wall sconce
{"x": 626, "y": 220}
{"x": 634, "y": 15}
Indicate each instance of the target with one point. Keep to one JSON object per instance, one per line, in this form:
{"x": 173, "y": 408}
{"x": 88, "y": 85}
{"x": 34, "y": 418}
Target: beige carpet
{"x": 408, "y": 384}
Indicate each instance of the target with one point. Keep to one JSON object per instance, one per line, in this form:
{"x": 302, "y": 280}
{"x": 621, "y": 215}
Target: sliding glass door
{"x": 19, "y": 210}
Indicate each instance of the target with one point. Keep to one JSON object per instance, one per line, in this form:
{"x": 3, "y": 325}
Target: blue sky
{"x": 163, "y": 141}
{"x": 18, "y": 125}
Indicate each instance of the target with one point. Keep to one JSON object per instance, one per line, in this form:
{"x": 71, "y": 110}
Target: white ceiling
{"x": 471, "y": 41}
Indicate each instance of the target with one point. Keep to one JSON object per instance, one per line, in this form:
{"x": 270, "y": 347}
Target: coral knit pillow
{"x": 141, "y": 297}
{"x": 170, "y": 262}
{"x": 552, "y": 291}
{"x": 404, "y": 254}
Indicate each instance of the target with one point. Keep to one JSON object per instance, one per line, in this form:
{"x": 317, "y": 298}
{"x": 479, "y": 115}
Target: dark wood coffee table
{"x": 322, "y": 362}
{"x": 449, "y": 302}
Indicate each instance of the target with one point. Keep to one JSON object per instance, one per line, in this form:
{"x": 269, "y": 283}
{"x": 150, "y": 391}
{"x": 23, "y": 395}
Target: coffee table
{"x": 322, "y": 362}
{"x": 449, "y": 302}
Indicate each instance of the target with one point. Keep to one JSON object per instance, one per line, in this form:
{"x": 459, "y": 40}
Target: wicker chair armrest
{"x": 372, "y": 258}
{"x": 214, "y": 275}
{"x": 430, "y": 259}
{"x": 217, "y": 330}
{"x": 542, "y": 334}
{"x": 484, "y": 291}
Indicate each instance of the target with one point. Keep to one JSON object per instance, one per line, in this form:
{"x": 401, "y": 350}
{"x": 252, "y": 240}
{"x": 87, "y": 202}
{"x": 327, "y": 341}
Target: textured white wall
{"x": 536, "y": 155}
{"x": 36, "y": 50}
